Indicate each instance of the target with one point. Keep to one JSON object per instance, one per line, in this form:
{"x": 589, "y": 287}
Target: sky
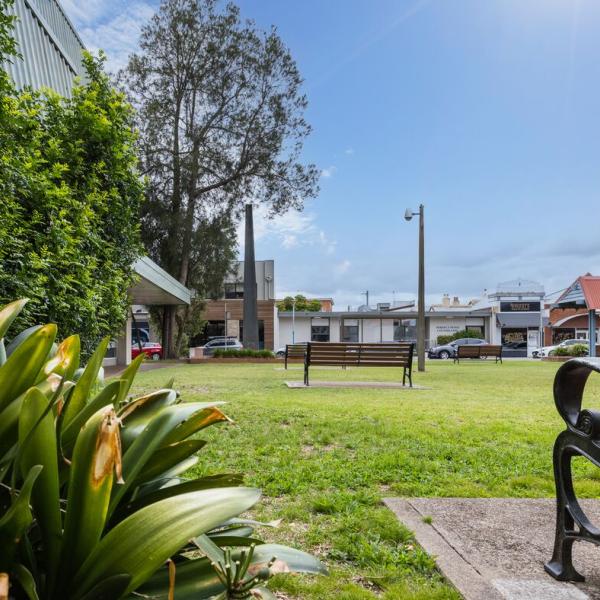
{"x": 487, "y": 113}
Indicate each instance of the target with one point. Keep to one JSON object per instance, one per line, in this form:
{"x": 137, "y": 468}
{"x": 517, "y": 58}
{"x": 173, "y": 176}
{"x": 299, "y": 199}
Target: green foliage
{"x": 71, "y": 195}
{"x": 92, "y": 503}
{"x": 575, "y": 350}
{"x": 442, "y": 340}
{"x": 302, "y": 304}
{"x": 243, "y": 353}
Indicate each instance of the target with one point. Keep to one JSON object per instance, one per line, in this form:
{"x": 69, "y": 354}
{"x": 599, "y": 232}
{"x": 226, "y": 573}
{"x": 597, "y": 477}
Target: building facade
{"x": 50, "y": 48}
{"x": 225, "y": 316}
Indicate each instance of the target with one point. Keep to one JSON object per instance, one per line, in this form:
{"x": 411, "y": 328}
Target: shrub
{"x": 92, "y": 502}
{"x": 442, "y": 340}
{"x": 575, "y": 350}
{"x": 243, "y": 353}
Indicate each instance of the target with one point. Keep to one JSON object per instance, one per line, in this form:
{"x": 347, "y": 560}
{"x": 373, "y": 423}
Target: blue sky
{"x": 486, "y": 112}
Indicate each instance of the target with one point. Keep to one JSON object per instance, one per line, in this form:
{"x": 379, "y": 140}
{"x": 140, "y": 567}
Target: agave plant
{"x": 92, "y": 501}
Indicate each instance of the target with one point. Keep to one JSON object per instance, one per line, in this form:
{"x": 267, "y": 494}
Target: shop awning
{"x": 517, "y": 320}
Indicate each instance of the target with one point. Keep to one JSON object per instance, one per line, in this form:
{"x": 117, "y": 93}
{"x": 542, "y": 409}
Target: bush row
{"x": 243, "y": 353}
{"x": 442, "y": 340}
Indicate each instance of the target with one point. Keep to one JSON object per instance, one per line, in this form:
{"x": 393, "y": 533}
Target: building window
{"x": 350, "y": 330}
{"x": 478, "y": 329}
{"x": 562, "y": 334}
{"x": 405, "y": 330}
{"x": 514, "y": 338}
{"x": 319, "y": 330}
{"x": 234, "y": 291}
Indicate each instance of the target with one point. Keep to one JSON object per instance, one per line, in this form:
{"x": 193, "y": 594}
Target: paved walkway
{"x": 149, "y": 365}
{"x": 353, "y": 384}
{"x": 495, "y": 548}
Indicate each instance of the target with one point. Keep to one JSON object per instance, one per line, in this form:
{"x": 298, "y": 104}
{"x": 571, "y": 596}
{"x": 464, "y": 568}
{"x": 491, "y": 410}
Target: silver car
{"x": 221, "y": 343}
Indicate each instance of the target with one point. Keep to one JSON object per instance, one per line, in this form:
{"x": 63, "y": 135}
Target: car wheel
{"x": 280, "y": 355}
{"x": 156, "y": 356}
{"x": 444, "y": 355}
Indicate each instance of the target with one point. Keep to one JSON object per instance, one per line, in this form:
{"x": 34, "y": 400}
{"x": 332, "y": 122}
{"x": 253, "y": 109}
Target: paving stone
{"x": 495, "y": 548}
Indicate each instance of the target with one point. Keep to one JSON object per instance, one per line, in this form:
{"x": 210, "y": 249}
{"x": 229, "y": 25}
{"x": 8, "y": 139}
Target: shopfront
{"x": 520, "y": 325}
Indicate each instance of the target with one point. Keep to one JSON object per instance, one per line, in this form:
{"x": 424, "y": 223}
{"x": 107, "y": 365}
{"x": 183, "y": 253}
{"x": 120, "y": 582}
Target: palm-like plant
{"x": 92, "y": 503}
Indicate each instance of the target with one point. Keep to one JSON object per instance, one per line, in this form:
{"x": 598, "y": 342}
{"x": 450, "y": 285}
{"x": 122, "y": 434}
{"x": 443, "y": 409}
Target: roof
{"x": 519, "y": 288}
{"x": 155, "y": 286}
{"x": 383, "y": 314}
{"x": 583, "y": 292}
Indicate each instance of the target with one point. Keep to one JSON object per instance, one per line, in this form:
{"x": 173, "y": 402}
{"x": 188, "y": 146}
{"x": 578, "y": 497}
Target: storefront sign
{"x": 520, "y": 306}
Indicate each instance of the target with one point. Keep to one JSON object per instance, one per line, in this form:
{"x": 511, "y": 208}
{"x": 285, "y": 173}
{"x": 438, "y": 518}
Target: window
{"x": 478, "y": 329}
{"x": 234, "y": 291}
{"x": 514, "y": 339}
{"x": 319, "y": 330}
{"x": 350, "y": 330}
{"x": 405, "y": 330}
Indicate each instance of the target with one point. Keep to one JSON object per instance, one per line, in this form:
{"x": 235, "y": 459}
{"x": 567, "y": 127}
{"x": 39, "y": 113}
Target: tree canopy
{"x": 71, "y": 195}
{"x": 300, "y": 303}
{"x": 221, "y": 119}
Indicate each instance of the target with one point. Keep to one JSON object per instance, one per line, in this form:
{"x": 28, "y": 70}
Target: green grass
{"x": 325, "y": 457}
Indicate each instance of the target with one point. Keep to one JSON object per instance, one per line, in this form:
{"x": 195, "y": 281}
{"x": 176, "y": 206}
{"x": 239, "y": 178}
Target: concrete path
{"x": 495, "y": 548}
{"x": 353, "y": 384}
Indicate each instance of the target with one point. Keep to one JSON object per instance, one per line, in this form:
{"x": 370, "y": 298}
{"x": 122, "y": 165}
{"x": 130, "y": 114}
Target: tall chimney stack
{"x": 250, "y": 304}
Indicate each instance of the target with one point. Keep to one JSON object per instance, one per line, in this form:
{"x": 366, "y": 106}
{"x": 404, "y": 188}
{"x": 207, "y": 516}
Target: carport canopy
{"x": 155, "y": 287}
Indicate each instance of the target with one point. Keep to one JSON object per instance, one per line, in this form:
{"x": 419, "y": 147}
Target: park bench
{"x": 294, "y": 351}
{"x": 482, "y": 351}
{"x": 349, "y": 354}
{"x": 580, "y": 438}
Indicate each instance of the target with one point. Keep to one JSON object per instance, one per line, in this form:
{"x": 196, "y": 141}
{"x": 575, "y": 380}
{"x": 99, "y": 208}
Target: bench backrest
{"x": 295, "y": 350}
{"x": 490, "y": 350}
{"x": 360, "y": 355}
{"x": 468, "y": 351}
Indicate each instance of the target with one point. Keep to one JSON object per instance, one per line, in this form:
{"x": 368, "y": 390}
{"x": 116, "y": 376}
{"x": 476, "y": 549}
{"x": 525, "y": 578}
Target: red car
{"x": 152, "y": 350}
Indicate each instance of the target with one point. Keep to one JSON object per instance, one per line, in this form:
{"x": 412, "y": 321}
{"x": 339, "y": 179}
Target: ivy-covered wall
{"x": 70, "y": 195}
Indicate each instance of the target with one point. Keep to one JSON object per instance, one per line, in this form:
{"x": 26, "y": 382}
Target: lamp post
{"x": 408, "y": 215}
{"x": 294, "y": 321}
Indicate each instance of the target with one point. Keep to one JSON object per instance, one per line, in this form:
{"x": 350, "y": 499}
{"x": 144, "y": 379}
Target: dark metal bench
{"x": 580, "y": 438}
{"x": 294, "y": 351}
{"x": 479, "y": 351}
{"x": 359, "y": 355}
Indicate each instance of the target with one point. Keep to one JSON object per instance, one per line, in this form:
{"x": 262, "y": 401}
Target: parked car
{"x": 280, "y": 353}
{"x": 221, "y": 343}
{"x": 449, "y": 350}
{"x": 545, "y": 350}
{"x": 152, "y": 350}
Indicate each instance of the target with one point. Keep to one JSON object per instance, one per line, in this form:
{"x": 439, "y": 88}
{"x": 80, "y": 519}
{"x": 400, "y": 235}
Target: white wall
{"x": 444, "y": 326}
{"x": 285, "y": 331}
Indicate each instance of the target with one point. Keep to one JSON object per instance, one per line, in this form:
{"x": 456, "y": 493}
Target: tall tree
{"x": 221, "y": 118}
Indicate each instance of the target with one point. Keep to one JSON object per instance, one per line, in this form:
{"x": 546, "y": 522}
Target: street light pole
{"x": 408, "y": 215}
{"x": 294, "y": 321}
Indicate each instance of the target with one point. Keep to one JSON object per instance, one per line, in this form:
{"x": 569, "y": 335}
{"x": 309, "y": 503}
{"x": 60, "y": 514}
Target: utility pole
{"x": 366, "y": 294}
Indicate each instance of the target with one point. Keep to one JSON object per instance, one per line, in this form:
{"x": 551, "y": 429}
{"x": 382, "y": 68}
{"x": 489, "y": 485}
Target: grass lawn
{"x": 325, "y": 457}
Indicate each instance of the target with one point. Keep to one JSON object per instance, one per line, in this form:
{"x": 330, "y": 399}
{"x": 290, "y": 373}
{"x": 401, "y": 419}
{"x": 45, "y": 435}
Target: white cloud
{"x": 112, "y": 26}
{"x": 343, "y": 267}
{"x": 292, "y": 230}
{"x": 349, "y": 151}
{"x": 328, "y": 172}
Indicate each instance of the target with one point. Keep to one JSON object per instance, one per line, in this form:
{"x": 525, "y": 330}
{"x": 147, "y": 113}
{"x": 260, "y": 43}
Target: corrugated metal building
{"x": 49, "y": 46}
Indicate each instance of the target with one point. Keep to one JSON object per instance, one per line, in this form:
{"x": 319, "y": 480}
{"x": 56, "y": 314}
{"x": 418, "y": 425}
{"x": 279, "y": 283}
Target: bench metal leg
{"x": 561, "y": 565}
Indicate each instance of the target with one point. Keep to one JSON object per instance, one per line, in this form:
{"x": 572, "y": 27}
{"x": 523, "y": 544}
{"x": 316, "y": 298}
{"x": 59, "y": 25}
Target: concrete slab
{"x": 353, "y": 384}
{"x": 495, "y": 548}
